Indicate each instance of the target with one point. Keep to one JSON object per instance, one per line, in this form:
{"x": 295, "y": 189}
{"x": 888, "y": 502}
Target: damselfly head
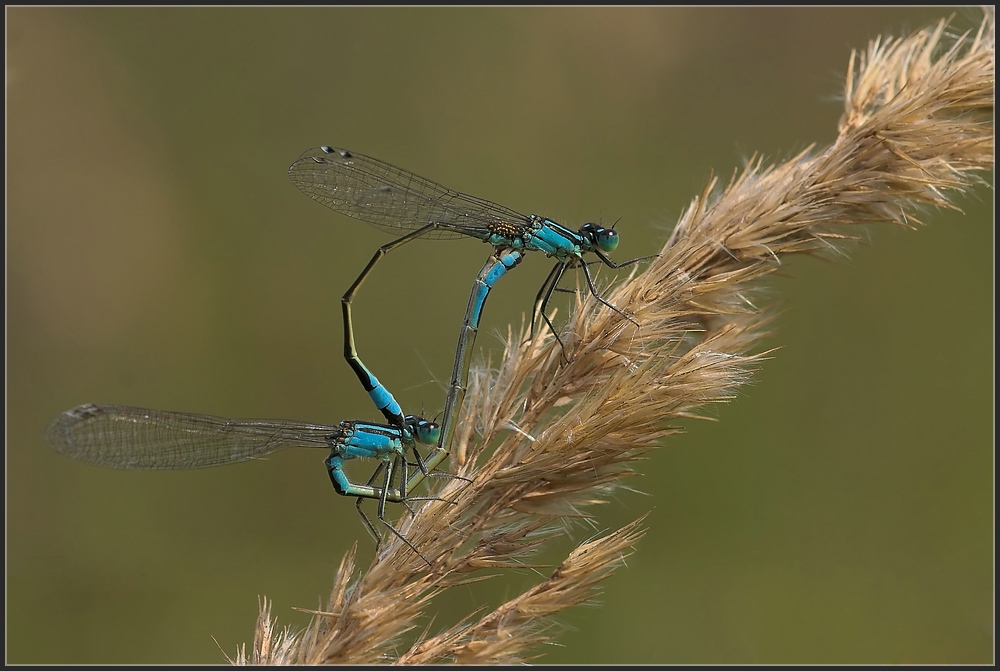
{"x": 424, "y": 430}
{"x": 606, "y": 239}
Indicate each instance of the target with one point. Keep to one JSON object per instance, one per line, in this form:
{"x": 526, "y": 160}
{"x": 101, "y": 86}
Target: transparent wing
{"x": 390, "y": 198}
{"x": 136, "y": 438}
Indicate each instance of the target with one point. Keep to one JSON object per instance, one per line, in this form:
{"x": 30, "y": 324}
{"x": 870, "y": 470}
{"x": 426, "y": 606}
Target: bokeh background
{"x": 839, "y": 511}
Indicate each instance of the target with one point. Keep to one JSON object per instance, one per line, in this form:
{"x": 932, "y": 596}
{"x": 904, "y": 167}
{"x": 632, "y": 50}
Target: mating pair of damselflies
{"x": 396, "y": 201}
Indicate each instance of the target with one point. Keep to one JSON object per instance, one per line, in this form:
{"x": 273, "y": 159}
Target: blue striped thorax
{"x": 364, "y": 440}
{"x": 551, "y": 238}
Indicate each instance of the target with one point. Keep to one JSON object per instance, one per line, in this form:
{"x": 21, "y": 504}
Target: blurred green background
{"x": 840, "y": 511}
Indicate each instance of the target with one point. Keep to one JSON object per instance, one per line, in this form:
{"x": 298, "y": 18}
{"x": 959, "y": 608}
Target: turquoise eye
{"x": 607, "y": 239}
{"x": 427, "y": 432}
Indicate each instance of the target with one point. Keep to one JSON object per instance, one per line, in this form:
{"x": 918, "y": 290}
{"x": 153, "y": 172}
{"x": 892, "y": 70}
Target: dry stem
{"x": 917, "y": 129}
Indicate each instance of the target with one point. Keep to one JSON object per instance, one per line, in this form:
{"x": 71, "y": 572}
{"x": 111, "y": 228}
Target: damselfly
{"x": 398, "y": 201}
{"x": 137, "y": 438}
{"x": 125, "y": 437}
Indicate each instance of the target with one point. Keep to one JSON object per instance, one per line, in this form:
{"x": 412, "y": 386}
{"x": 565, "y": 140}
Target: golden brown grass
{"x": 917, "y": 129}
